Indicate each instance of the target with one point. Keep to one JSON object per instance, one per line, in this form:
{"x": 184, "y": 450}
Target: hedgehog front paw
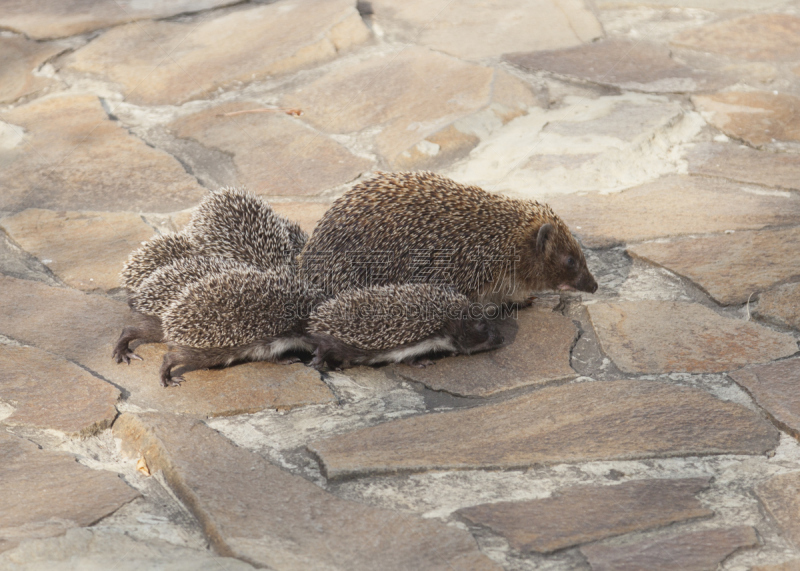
{"x": 288, "y": 360}
{"x": 171, "y": 381}
{"x": 120, "y": 355}
{"x": 421, "y": 363}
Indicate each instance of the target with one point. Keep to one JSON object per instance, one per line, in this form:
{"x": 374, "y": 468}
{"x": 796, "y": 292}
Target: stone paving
{"x": 652, "y": 425}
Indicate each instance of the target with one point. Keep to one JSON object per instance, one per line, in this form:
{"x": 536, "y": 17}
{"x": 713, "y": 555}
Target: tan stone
{"x": 746, "y": 165}
{"x": 695, "y": 551}
{"x": 581, "y": 422}
{"x": 255, "y": 511}
{"x": 638, "y": 66}
{"x": 41, "y": 19}
{"x": 711, "y": 5}
{"x": 306, "y": 214}
{"x": 86, "y": 250}
{"x": 730, "y": 267}
{"x": 672, "y": 206}
{"x": 48, "y": 392}
{"x": 755, "y": 117}
{"x": 162, "y": 62}
{"x": 671, "y": 337}
{"x": 72, "y": 156}
{"x": 774, "y": 388}
{"x": 780, "y": 496}
{"x": 476, "y": 30}
{"x": 793, "y": 565}
{"x": 781, "y": 304}
{"x": 18, "y": 58}
{"x": 274, "y": 154}
{"x": 84, "y": 329}
{"x": 587, "y": 513}
{"x": 758, "y": 37}
{"x": 45, "y": 493}
{"x": 538, "y": 348}
{"x": 416, "y": 97}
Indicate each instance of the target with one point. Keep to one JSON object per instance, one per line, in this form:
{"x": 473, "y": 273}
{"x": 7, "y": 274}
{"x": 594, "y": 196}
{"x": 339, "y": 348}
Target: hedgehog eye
{"x": 571, "y": 263}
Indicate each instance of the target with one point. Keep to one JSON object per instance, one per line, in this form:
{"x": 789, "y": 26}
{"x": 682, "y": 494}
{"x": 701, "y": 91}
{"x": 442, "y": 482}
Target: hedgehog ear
{"x": 544, "y": 234}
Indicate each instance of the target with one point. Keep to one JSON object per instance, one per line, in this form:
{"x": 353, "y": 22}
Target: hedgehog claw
{"x": 125, "y": 355}
{"x": 288, "y": 360}
{"x": 172, "y": 381}
{"x": 421, "y": 363}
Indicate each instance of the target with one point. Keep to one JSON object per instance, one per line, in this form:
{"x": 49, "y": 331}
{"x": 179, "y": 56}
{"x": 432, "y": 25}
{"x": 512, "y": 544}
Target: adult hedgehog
{"x": 420, "y": 227}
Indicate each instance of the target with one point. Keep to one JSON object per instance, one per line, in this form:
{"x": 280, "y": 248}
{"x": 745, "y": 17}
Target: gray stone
{"x": 251, "y": 43}
{"x": 672, "y": 337}
{"x": 695, "y": 551}
{"x": 306, "y": 214}
{"x": 774, "y": 388}
{"x": 19, "y": 57}
{"x": 741, "y": 163}
{"x": 781, "y": 304}
{"x": 587, "y": 513}
{"x": 537, "y": 353}
{"x": 581, "y": 422}
{"x": 793, "y": 565}
{"x": 255, "y": 511}
{"x": 780, "y": 495}
{"x": 16, "y": 262}
{"x": 731, "y": 267}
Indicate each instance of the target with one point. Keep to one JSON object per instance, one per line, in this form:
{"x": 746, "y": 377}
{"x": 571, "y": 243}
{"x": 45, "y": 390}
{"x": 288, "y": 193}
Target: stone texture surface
{"x": 732, "y": 266}
{"x": 72, "y": 156}
{"x": 18, "y": 58}
{"x": 588, "y": 513}
{"x": 537, "y": 353}
{"x": 667, "y": 336}
{"x": 306, "y": 214}
{"x": 48, "y": 392}
{"x": 672, "y": 206}
{"x": 774, "y": 388}
{"x": 780, "y": 495}
{"x": 415, "y": 97}
{"x": 695, "y": 551}
{"x": 291, "y": 523}
{"x": 746, "y": 165}
{"x": 251, "y": 43}
{"x": 638, "y": 66}
{"x": 274, "y": 154}
{"x": 86, "y": 250}
{"x": 41, "y": 19}
{"x": 761, "y": 37}
{"x": 45, "y": 493}
{"x": 573, "y": 423}
{"x": 793, "y": 565}
{"x": 781, "y": 304}
{"x": 476, "y": 30}
{"x": 755, "y": 117}
{"x": 84, "y": 328}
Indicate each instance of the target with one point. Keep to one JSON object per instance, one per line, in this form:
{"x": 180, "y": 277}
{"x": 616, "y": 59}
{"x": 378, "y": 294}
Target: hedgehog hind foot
{"x": 147, "y": 329}
{"x": 419, "y": 362}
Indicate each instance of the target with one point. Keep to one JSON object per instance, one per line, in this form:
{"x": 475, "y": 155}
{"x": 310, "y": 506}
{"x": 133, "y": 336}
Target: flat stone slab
{"x": 42, "y": 19}
{"x": 251, "y": 43}
{"x": 474, "y": 30}
{"x": 49, "y": 392}
{"x": 671, "y": 337}
{"x": 587, "y": 513}
{"x": 274, "y": 154}
{"x": 86, "y": 250}
{"x": 582, "y": 422}
{"x": 792, "y": 565}
{"x": 774, "y": 388}
{"x": 84, "y": 329}
{"x": 625, "y": 64}
{"x": 672, "y": 206}
{"x": 255, "y": 511}
{"x": 19, "y": 57}
{"x": 695, "y": 551}
{"x": 422, "y": 95}
{"x": 781, "y": 304}
{"x": 732, "y": 266}
{"x": 755, "y": 117}
{"x": 780, "y": 496}
{"x": 73, "y": 157}
{"x": 759, "y": 37}
{"x": 58, "y": 492}
{"x": 306, "y": 214}
{"x": 538, "y": 354}
{"x": 738, "y": 162}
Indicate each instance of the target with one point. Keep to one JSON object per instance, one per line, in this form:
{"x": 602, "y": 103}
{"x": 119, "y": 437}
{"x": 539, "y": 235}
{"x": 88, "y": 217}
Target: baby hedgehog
{"x": 155, "y": 294}
{"x": 159, "y": 251}
{"x": 243, "y": 314}
{"x": 396, "y": 324}
{"x": 420, "y": 227}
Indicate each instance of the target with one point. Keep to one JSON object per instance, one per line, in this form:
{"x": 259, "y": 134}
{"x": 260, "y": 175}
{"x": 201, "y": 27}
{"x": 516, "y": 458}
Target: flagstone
{"x": 738, "y": 162}
{"x": 733, "y": 266}
{"x": 256, "y": 511}
{"x": 19, "y": 57}
{"x": 171, "y": 62}
{"x": 68, "y": 155}
{"x": 671, "y": 337}
{"x": 306, "y": 214}
{"x": 781, "y": 304}
{"x": 780, "y": 496}
{"x": 581, "y": 422}
{"x": 774, "y": 388}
